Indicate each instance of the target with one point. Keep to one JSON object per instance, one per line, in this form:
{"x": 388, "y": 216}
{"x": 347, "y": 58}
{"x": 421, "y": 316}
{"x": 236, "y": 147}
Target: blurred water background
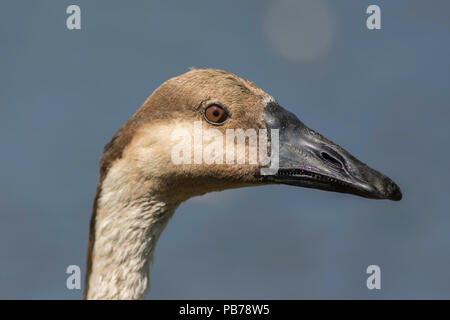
{"x": 383, "y": 95}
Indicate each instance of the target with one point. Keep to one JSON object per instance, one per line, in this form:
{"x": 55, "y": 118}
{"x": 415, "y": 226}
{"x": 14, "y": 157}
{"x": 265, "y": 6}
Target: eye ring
{"x": 215, "y": 114}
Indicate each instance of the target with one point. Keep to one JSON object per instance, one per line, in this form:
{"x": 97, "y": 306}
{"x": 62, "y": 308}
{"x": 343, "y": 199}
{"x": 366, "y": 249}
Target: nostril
{"x": 331, "y": 159}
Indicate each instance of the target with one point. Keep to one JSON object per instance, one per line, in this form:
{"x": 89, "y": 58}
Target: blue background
{"x": 383, "y": 95}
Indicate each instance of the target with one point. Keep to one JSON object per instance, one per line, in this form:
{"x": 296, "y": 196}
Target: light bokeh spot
{"x": 300, "y": 31}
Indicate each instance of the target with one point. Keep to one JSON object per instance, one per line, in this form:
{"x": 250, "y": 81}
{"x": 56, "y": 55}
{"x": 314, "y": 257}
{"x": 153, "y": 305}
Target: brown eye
{"x": 215, "y": 114}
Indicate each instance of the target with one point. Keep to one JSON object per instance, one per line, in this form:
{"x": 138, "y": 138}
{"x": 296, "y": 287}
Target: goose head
{"x": 179, "y": 142}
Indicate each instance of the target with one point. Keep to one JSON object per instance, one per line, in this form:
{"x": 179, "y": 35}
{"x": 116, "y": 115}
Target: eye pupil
{"x": 216, "y": 113}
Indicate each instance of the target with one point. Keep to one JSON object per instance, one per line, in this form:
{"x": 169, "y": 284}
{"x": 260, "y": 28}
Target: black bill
{"x": 307, "y": 159}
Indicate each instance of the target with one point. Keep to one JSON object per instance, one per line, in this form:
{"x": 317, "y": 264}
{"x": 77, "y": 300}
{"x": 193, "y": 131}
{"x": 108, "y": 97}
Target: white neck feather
{"x": 126, "y": 231}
